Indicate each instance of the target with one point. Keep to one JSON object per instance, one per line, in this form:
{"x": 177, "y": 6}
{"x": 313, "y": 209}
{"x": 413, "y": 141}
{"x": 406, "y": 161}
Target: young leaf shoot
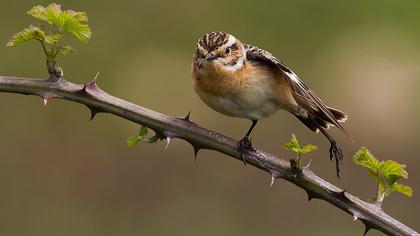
{"x": 385, "y": 173}
{"x": 50, "y": 36}
{"x": 294, "y": 146}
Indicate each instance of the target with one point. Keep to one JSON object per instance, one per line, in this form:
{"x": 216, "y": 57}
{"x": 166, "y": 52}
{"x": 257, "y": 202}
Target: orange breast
{"x": 217, "y": 81}
{"x": 247, "y": 81}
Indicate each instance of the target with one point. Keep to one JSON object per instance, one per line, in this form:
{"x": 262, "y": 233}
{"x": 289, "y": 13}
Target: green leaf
{"x": 69, "y": 21}
{"x": 404, "y": 189}
{"x": 392, "y": 171}
{"x": 37, "y": 12}
{"x": 308, "y": 148}
{"x": 25, "y": 35}
{"x": 60, "y": 22}
{"x": 393, "y": 168}
{"x": 47, "y": 14}
{"x": 364, "y": 158}
{"x": 373, "y": 174}
{"x": 143, "y": 131}
{"x": 66, "y": 50}
{"x": 293, "y": 145}
{"x": 385, "y": 173}
{"x": 51, "y": 39}
{"x": 71, "y": 24}
{"x": 132, "y": 141}
{"x": 78, "y": 16}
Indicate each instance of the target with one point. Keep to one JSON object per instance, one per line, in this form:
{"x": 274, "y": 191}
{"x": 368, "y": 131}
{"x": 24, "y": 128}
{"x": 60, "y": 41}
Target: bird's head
{"x": 221, "y": 50}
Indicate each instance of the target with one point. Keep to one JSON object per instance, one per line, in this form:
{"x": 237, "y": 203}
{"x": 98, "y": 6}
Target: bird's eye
{"x": 228, "y": 51}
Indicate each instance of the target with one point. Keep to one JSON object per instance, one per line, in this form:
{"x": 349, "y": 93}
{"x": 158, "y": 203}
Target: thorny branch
{"x": 168, "y": 127}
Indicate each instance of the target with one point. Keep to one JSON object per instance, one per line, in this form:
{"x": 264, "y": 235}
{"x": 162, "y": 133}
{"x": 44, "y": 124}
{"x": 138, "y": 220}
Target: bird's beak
{"x": 210, "y": 56}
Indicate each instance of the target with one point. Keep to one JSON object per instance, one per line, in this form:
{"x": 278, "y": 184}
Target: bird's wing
{"x": 256, "y": 54}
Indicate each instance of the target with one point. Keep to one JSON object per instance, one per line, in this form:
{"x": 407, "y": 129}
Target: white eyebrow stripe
{"x": 201, "y": 48}
{"x": 231, "y": 41}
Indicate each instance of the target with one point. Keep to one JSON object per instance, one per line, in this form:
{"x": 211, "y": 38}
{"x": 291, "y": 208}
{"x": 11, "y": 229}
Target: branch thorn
{"x": 368, "y": 227}
{"x": 355, "y": 217}
{"x": 187, "y": 117}
{"x": 310, "y": 195}
{"x": 341, "y": 195}
{"x": 196, "y": 150}
{"x": 168, "y": 140}
{"x": 273, "y": 178}
{"x": 93, "y": 112}
{"x": 45, "y": 100}
{"x": 92, "y": 84}
{"x": 96, "y": 76}
{"x": 309, "y": 198}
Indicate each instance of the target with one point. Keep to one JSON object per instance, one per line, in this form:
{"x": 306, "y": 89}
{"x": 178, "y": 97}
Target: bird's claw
{"x": 337, "y": 153}
{"x": 244, "y": 145}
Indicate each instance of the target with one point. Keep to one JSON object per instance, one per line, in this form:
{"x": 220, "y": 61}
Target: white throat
{"x": 232, "y": 68}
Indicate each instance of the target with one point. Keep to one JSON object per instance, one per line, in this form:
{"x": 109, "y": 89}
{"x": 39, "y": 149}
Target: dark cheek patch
{"x": 235, "y": 56}
{"x": 198, "y": 65}
{"x": 234, "y": 47}
{"x": 234, "y": 61}
{"x": 198, "y": 54}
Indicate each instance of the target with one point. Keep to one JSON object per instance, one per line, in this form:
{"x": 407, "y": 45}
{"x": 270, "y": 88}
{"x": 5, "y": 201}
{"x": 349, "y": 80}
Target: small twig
{"x": 379, "y": 194}
{"x": 44, "y": 48}
{"x": 170, "y": 127}
{"x": 50, "y": 67}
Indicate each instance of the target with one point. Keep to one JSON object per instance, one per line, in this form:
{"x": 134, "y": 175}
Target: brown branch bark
{"x": 170, "y": 127}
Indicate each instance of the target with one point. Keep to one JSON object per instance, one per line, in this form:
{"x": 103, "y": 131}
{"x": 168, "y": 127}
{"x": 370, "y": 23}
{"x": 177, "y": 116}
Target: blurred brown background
{"x": 63, "y": 175}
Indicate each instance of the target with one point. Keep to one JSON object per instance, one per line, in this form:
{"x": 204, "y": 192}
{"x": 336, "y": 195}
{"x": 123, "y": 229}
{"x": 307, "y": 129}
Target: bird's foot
{"x": 337, "y": 153}
{"x": 244, "y": 145}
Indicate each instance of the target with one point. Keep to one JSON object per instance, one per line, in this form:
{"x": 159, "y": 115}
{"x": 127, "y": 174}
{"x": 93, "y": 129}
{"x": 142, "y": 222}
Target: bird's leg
{"x": 245, "y": 143}
{"x": 335, "y": 151}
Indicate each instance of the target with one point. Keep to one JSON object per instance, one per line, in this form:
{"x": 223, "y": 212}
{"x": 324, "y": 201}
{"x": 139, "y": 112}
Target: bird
{"x": 242, "y": 80}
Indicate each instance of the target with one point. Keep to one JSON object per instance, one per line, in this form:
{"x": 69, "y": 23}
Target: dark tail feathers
{"x": 339, "y": 115}
{"x": 318, "y": 120}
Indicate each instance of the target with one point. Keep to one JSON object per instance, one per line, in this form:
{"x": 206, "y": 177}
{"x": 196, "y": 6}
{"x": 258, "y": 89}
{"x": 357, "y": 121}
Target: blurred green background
{"x": 63, "y": 175}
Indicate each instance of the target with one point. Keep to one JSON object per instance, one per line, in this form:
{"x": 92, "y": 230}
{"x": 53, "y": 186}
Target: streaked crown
{"x": 214, "y": 40}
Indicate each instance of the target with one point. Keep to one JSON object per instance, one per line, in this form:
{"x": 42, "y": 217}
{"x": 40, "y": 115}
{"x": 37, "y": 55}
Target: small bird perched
{"x": 241, "y": 80}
